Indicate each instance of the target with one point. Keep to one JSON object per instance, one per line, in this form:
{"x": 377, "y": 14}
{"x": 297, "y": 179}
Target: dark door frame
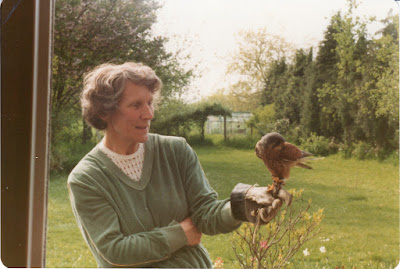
{"x": 26, "y": 56}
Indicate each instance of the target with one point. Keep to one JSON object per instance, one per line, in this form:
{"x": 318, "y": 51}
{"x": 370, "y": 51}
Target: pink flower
{"x": 219, "y": 263}
{"x": 264, "y": 244}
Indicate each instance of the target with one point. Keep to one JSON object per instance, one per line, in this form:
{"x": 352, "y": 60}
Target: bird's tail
{"x": 307, "y": 159}
{"x": 303, "y": 165}
{"x": 305, "y": 154}
{"x": 312, "y": 158}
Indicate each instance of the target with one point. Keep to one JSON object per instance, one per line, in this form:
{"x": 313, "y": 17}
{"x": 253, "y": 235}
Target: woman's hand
{"x": 193, "y": 235}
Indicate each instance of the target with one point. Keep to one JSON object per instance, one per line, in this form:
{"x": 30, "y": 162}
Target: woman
{"x": 142, "y": 199}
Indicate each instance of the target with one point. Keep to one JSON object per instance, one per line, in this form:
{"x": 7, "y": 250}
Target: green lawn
{"x": 360, "y": 201}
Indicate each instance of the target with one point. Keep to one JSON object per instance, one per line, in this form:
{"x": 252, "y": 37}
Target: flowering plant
{"x": 274, "y": 244}
{"x": 219, "y": 263}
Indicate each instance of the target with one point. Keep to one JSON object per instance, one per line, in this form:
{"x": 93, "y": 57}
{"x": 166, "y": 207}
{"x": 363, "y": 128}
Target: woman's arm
{"x": 211, "y": 216}
{"x": 99, "y": 222}
{"x": 193, "y": 235}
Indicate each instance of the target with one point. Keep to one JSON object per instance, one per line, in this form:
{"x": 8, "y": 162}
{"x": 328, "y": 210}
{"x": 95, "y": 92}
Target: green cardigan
{"x": 136, "y": 224}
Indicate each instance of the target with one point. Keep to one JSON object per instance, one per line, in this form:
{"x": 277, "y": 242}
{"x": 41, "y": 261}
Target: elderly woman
{"x": 141, "y": 199}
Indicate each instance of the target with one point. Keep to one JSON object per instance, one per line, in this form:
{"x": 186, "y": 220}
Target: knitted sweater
{"x": 130, "y": 223}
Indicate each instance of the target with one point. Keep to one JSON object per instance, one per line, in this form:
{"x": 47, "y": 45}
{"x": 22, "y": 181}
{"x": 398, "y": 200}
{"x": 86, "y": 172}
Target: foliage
{"x": 172, "y": 118}
{"x": 256, "y": 50}
{"x": 252, "y": 62}
{"x": 197, "y": 140}
{"x": 241, "y": 141}
{"x": 363, "y": 151}
{"x": 318, "y": 145}
{"x": 347, "y": 92}
{"x": 290, "y": 99}
{"x": 202, "y": 110}
{"x": 88, "y": 33}
{"x": 67, "y": 147}
{"x": 354, "y": 100}
{"x": 274, "y": 244}
{"x": 263, "y": 119}
{"x": 243, "y": 97}
{"x": 177, "y": 118}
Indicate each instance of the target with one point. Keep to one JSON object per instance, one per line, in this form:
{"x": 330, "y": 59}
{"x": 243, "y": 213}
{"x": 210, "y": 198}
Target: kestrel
{"x": 279, "y": 157}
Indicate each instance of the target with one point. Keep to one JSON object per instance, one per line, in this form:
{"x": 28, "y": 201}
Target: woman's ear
{"x": 105, "y": 118}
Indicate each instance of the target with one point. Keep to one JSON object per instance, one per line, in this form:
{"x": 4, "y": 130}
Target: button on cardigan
{"x": 130, "y": 223}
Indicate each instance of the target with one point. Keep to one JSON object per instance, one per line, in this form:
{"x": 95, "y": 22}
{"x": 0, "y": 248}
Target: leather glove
{"x": 248, "y": 200}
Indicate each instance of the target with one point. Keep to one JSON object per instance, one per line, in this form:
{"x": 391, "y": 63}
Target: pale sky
{"x": 206, "y": 29}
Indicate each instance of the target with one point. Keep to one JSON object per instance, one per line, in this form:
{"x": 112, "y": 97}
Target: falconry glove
{"x": 249, "y": 201}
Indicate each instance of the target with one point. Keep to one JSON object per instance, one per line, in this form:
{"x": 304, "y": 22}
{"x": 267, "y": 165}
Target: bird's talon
{"x": 277, "y": 180}
{"x": 270, "y": 188}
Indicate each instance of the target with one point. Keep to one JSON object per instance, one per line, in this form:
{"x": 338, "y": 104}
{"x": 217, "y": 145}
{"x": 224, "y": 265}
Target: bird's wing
{"x": 290, "y": 152}
{"x": 303, "y": 165}
{"x": 305, "y": 154}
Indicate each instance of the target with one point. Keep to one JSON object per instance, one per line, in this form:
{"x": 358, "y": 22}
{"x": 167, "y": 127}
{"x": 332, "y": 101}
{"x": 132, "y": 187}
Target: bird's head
{"x": 272, "y": 140}
{"x": 268, "y": 142}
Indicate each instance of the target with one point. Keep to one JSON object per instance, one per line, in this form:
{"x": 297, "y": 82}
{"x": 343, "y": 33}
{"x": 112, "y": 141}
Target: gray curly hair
{"x": 104, "y": 85}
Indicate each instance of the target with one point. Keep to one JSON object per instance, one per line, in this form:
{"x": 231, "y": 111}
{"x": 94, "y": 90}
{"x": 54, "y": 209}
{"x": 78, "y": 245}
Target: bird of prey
{"x": 279, "y": 157}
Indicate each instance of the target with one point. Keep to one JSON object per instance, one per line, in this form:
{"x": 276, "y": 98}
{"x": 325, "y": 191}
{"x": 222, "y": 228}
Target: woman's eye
{"x": 135, "y": 105}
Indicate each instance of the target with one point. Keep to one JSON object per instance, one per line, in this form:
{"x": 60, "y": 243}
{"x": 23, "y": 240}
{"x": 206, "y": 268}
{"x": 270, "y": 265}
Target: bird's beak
{"x": 258, "y": 153}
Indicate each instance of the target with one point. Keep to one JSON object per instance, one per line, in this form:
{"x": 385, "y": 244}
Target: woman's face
{"x": 130, "y": 123}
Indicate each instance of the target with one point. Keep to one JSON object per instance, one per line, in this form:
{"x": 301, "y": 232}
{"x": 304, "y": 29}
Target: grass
{"x": 360, "y": 201}
{"x": 65, "y": 244}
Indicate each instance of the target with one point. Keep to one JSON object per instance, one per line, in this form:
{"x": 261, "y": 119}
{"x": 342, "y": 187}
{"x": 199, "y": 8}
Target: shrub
{"x": 197, "y": 140}
{"x": 363, "y": 150}
{"x": 65, "y": 156}
{"x": 241, "y": 142}
{"x": 273, "y": 245}
{"x": 390, "y": 157}
{"x": 66, "y": 147}
{"x": 317, "y": 145}
{"x": 282, "y": 126}
{"x": 263, "y": 118}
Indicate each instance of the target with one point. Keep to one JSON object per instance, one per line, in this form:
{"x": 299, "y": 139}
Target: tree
{"x": 257, "y": 51}
{"x": 172, "y": 118}
{"x": 263, "y": 119}
{"x": 201, "y": 112}
{"x": 276, "y": 81}
{"x": 356, "y": 101}
{"x": 326, "y": 75}
{"x": 238, "y": 99}
{"x": 289, "y": 102}
{"x": 382, "y": 73}
{"x": 310, "y": 112}
{"x": 91, "y": 32}
{"x": 178, "y": 118}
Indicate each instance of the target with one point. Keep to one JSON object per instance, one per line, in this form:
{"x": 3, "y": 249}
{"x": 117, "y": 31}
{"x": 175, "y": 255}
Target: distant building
{"x": 234, "y": 124}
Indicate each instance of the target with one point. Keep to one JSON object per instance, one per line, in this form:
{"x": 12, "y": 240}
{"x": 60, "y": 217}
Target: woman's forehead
{"x": 134, "y": 91}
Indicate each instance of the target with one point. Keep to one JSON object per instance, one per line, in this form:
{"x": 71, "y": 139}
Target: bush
{"x": 196, "y": 140}
{"x": 390, "y": 157}
{"x": 66, "y": 148}
{"x": 362, "y": 151}
{"x": 282, "y": 126}
{"x": 262, "y": 119}
{"x": 318, "y": 145}
{"x": 274, "y": 244}
{"x": 65, "y": 156}
{"x": 241, "y": 142}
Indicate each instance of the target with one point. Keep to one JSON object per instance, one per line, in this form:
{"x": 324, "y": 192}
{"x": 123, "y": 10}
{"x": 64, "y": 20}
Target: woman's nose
{"x": 148, "y": 112}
